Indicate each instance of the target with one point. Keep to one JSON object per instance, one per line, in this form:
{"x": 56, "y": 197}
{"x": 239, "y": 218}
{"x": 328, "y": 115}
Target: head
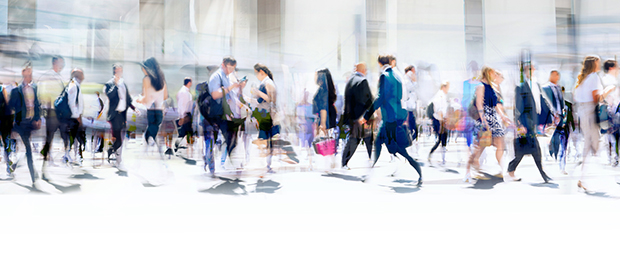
{"x": 77, "y": 74}
{"x": 27, "y": 72}
{"x": 151, "y": 68}
{"x": 117, "y": 70}
{"x": 410, "y": 72}
{"x": 554, "y": 77}
{"x": 611, "y": 67}
{"x": 187, "y": 82}
{"x": 384, "y": 59}
{"x": 392, "y": 61}
{"x": 97, "y": 93}
{"x": 324, "y": 81}
{"x": 528, "y": 70}
{"x": 499, "y": 78}
{"x": 58, "y": 63}
{"x": 229, "y": 64}
{"x": 487, "y": 75}
{"x": 445, "y": 87}
{"x": 361, "y": 68}
{"x": 262, "y": 71}
{"x": 590, "y": 64}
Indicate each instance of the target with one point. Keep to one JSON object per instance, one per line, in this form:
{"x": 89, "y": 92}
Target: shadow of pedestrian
{"x": 486, "y": 184}
{"x": 122, "y": 173}
{"x": 68, "y": 188}
{"x": 268, "y": 186}
{"x": 227, "y": 187}
{"x": 342, "y": 176}
{"x": 85, "y": 176}
{"x": 547, "y": 185}
{"x": 403, "y": 189}
{"x": 602, "y": 195}
{"x": 189, "y": 161}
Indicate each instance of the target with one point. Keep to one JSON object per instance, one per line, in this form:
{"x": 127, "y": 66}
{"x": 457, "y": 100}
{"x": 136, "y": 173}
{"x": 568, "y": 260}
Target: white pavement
{"x": 176, "y": 213}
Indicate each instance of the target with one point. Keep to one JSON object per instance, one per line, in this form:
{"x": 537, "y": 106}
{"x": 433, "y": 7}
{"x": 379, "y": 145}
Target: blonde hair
{"x": 486, "y": 74}
{"x": 589, "y": 66}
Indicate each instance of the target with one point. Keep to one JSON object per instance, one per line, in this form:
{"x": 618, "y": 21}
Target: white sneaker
{"x": 345, "y": 167}
{"x": 45, "y": 187}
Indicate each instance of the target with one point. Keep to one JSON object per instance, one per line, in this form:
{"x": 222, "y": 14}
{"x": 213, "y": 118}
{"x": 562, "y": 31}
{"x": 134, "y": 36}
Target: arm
{"x": 480, "y": 104}
{"x": 146, "y": 82}
{"x": 165, "y": 91}
{"x": 72, "y": 95}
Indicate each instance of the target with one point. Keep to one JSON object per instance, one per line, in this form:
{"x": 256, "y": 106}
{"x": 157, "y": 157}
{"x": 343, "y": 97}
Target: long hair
{"x": 261, "y": 67}
{"x": 486, "y": 75}
{"x": 324, "y": 81}
{"x": 589, "y": 66}
{"x": 155, "y": 73}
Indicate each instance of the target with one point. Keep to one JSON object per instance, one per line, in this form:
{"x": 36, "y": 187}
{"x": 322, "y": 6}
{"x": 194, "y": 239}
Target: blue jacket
{"x": 19, "y": 106}
{"x": 388, "y": 99}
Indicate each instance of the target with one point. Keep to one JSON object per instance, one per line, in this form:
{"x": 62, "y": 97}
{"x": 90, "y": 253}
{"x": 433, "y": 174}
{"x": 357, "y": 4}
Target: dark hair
{"x": 187, "y": 80}
{"x": 609, "y": 64}
{"x": 409, "y": 68}
{"x": 392, "y": 58}
{"x": 556, "y": 71}
{"x": 325, "y": 81}
{"x": 154, "y": 72}
{"x": 56, "y": 58}
{"x": 263, "y": 68}
{"x": 385, "y": 59}
{"x": 116, "y": 66}
{"x": 229, "y": 60}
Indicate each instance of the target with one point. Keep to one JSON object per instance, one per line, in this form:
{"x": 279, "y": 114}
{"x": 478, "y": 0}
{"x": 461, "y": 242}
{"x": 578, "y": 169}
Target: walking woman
{"x": 588, "y": 93}
{"x": 154, "y": 93}
{"x": 324, "y": 104}
{"x": 265, "y": 110}
{"x": 489, "y": 120}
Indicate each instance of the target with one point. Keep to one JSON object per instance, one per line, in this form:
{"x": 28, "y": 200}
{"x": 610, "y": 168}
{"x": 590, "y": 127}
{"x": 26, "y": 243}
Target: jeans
{"x": 210, "y": 128}
{"x": 154, "y": 117}
{"x": 24, "y": 129}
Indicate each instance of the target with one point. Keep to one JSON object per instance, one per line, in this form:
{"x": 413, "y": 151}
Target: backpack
{"x": 61, "y": 104}
{"x": 430, "y": 110}
{"x": 208, "y": 107}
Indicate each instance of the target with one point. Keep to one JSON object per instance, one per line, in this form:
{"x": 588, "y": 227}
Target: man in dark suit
{"x": 529, "y": 104}
{"x": 119, "y": 101}
{"x": 357, "y": 99}
{"x": 559, "y": 140}
{"x": 392, "y": 133}
{"x": 24, "y": 102}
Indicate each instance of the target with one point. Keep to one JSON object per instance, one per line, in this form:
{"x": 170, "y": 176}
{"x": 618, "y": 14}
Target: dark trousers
{"x": 441, "y": 133}
{"x": 353, "y": 139}
{"x": 519, "y": 153}
{"x": 118, "y": 124}
{"x": 51, "y": 125}
{"x": 154, "y": 117}
{"x": 413, "y": 126}
{"x": 24, "y": 129}
{"x": 210, "y": 128}
{"x": 390, "y": 136}
{"x": 71, "y": 131}
{"x": 6, "y": 126}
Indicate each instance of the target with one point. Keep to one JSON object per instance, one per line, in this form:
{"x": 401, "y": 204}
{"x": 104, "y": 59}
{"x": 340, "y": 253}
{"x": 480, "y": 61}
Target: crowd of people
{"x": 225, "y": 115}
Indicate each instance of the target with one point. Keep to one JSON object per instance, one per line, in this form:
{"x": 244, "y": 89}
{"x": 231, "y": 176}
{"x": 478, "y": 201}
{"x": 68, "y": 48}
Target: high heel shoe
{"x": 580, "y": 185}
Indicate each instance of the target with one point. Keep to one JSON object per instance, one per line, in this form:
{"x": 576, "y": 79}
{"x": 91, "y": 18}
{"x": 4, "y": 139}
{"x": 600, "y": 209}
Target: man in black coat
{"x": 24, "y": 101}
{"x": 527, "y": 115}
{"x": 119, "y": 101}
{"x": 357, "y": 99}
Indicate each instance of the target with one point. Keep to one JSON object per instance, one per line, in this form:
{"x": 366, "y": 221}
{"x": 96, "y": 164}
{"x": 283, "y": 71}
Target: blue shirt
{"x": 218, "y": 80}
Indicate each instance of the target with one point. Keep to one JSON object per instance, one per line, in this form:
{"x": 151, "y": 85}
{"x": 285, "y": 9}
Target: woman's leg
{"x": 498, "y": 142}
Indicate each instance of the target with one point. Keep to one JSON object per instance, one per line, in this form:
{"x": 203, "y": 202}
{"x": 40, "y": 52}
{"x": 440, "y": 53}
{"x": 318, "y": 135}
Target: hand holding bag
{"x": 324, "y": 145}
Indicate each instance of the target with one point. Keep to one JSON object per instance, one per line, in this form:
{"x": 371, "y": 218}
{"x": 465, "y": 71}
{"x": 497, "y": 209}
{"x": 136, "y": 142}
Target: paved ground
{"x": 173, "y": 212}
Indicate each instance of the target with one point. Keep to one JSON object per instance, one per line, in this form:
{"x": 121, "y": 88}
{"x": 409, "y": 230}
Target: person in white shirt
{"x": 69, "y": 128}
{"x": 119, "y": 101}
{"x": 440, "y": 108}
{"x": 610, "y": 82}
{"x": 409, "y": 102}
{"x": 588, "y": 93}
{"x": 185, "y": 109}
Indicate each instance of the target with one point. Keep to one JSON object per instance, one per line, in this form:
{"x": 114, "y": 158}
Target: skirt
{"x": 490, "y": 114}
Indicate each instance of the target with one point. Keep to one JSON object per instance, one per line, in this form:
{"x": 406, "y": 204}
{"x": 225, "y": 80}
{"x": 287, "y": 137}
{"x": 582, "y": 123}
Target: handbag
{"x": 325, "y": 145}
{"x": 485, "y": 138}
{"x": 602, "y": 115}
